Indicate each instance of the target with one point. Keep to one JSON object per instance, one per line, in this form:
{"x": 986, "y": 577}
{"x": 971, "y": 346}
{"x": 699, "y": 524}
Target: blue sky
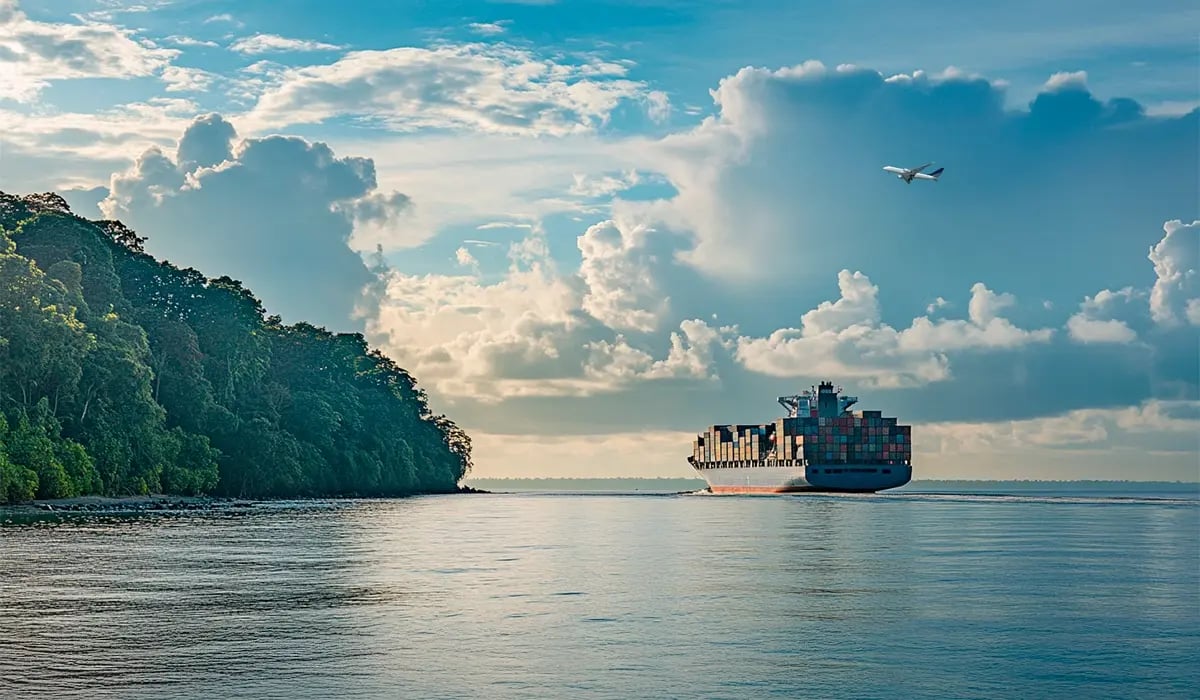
{"x": 607, "y": 225}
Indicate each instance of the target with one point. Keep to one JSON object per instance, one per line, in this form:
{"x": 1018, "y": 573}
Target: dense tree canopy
{"x": 121, "y": 375}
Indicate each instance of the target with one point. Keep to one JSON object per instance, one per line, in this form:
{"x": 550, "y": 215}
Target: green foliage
{"x": 120, "y": 374}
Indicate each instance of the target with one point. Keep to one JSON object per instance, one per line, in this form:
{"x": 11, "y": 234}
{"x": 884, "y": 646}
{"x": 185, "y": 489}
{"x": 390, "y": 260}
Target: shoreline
{"x": 152, "y": 503}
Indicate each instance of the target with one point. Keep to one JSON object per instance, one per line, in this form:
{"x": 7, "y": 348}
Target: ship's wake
{"x": 1058, "y": 499}
{"x": 934, "y": 497}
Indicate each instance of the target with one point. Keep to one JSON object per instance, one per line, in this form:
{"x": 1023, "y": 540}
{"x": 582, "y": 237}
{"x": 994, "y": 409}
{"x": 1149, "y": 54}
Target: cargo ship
{"x": 820, "y": 446}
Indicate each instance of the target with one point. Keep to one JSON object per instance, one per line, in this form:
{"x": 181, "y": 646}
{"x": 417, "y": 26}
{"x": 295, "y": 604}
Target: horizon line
{"x": 914, "y": 481}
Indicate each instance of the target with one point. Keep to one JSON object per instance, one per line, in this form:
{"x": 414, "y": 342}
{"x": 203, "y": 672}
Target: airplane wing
{"x": 919, "y": 168}
{"x": 894, "y": 169}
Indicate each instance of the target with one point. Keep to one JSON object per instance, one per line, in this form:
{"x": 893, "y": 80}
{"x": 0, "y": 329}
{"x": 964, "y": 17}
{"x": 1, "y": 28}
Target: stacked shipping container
{"x": 864, "y": 437}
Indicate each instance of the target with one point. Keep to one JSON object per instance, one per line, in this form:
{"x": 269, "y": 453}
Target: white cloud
{"x": 935, "y": 305}
{"x": 113, "y": 8}
{"x": 486, "y": 342}
{"x": 1087, "y": 330}
{"x": 273, "y": 43}
{"x": 743, "y": 195}
{"x": 488, "y": 88}
{"x": 501, "y": 224}
{"x": 465, "y": 259}
{"x": 180, "y": 40}
{"x": 845, "y": 338}
{"x": 76, "y": 149}
{"x": 1153, "y": 440}
{"x": 1172, "y": 108}
{"x": 985, "y": 304}
{"x": 1087, "y": 326}
{"x": 604, "y": 185}
{"x": 35, "y": 54}
{"x": 1067, "y": 80}
{"x": 1176, "y": 261}
{"x": 1151, "y": 421}
{"x": 468, "y": 338}
{"x": 619, "y": 273}
{"x": 275, "y": 212}
{"x": 782, "y": 167}
{"x": 511, "y": 180}
{"x": 489, "y": 28}
{"x": 181, "y": 79}
{"x": 383, "y": 218}
{"x": 537, "y": 332}
{"x": 690, "y": 356}
{"x": 658, "y": 105}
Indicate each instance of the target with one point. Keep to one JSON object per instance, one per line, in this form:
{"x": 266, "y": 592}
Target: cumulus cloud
{"x": 76, "y": 149}
{"x": 275, "y": 212}
{"x": 690, "y": 356}
{"x": 1088, "y": 325}
{"x": 1068, "y": 80}
{"x": 468, "y": 338}
{"x": 845, "y": 338}
{"x": 761, "y": 206}
{"x": 207, "y": 142}
{"x": 539, "y": 331}
{"x": 490, "y": 88}
{"x": 785, "y": 181}
{"x": 34, "y": 54}
{"x": 380, "y": 218}
{"x": 769, "y": 198}
{"x": 618, "y": 270}
{"x": 1176, "y": 258}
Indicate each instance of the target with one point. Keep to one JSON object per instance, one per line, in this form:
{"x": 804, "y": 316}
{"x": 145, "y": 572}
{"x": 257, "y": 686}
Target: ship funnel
{"x": 827, "y": 401}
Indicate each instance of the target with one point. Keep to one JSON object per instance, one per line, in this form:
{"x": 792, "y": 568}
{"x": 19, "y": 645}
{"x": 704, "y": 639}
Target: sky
{"x": 592, "y": 229}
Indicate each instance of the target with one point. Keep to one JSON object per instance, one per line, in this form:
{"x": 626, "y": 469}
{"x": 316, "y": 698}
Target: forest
{"x": 123, "y": 375}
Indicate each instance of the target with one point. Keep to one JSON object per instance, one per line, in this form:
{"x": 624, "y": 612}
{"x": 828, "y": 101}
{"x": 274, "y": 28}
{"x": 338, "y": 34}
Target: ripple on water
{"x": 905, "y": 595}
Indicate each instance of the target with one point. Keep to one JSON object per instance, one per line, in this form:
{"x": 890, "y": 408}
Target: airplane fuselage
{"x": 909, "y": 174}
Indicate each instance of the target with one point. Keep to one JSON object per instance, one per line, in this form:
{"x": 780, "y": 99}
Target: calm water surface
{"x": 611, "y": 596}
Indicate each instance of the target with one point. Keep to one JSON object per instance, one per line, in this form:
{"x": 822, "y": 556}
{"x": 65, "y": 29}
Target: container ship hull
{"x": 766, "y": 478}
{"x": 819, "y": 447}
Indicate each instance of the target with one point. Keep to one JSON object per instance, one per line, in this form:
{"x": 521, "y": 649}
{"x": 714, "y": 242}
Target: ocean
{"x": 635, "y": 591}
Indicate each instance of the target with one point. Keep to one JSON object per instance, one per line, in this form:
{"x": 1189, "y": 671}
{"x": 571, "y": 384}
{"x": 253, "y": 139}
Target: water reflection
{"x": 607, "y": 596}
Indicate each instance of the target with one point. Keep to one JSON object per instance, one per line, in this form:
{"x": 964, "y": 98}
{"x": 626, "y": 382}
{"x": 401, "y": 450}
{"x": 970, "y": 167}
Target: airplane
{"x": 907, "y": 174}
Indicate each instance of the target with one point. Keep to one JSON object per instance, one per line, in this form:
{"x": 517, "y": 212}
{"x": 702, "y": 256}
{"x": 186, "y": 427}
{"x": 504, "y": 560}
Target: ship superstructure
{"x": 820, "y": 445}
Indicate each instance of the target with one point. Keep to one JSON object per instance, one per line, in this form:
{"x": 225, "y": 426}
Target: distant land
{"x": 966, "y": 486}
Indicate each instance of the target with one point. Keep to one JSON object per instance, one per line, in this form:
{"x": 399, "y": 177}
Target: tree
{"x": 122, "y": 374}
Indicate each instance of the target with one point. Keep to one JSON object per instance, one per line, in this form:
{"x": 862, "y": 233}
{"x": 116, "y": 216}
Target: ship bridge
{"x": 825, "y": 399}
